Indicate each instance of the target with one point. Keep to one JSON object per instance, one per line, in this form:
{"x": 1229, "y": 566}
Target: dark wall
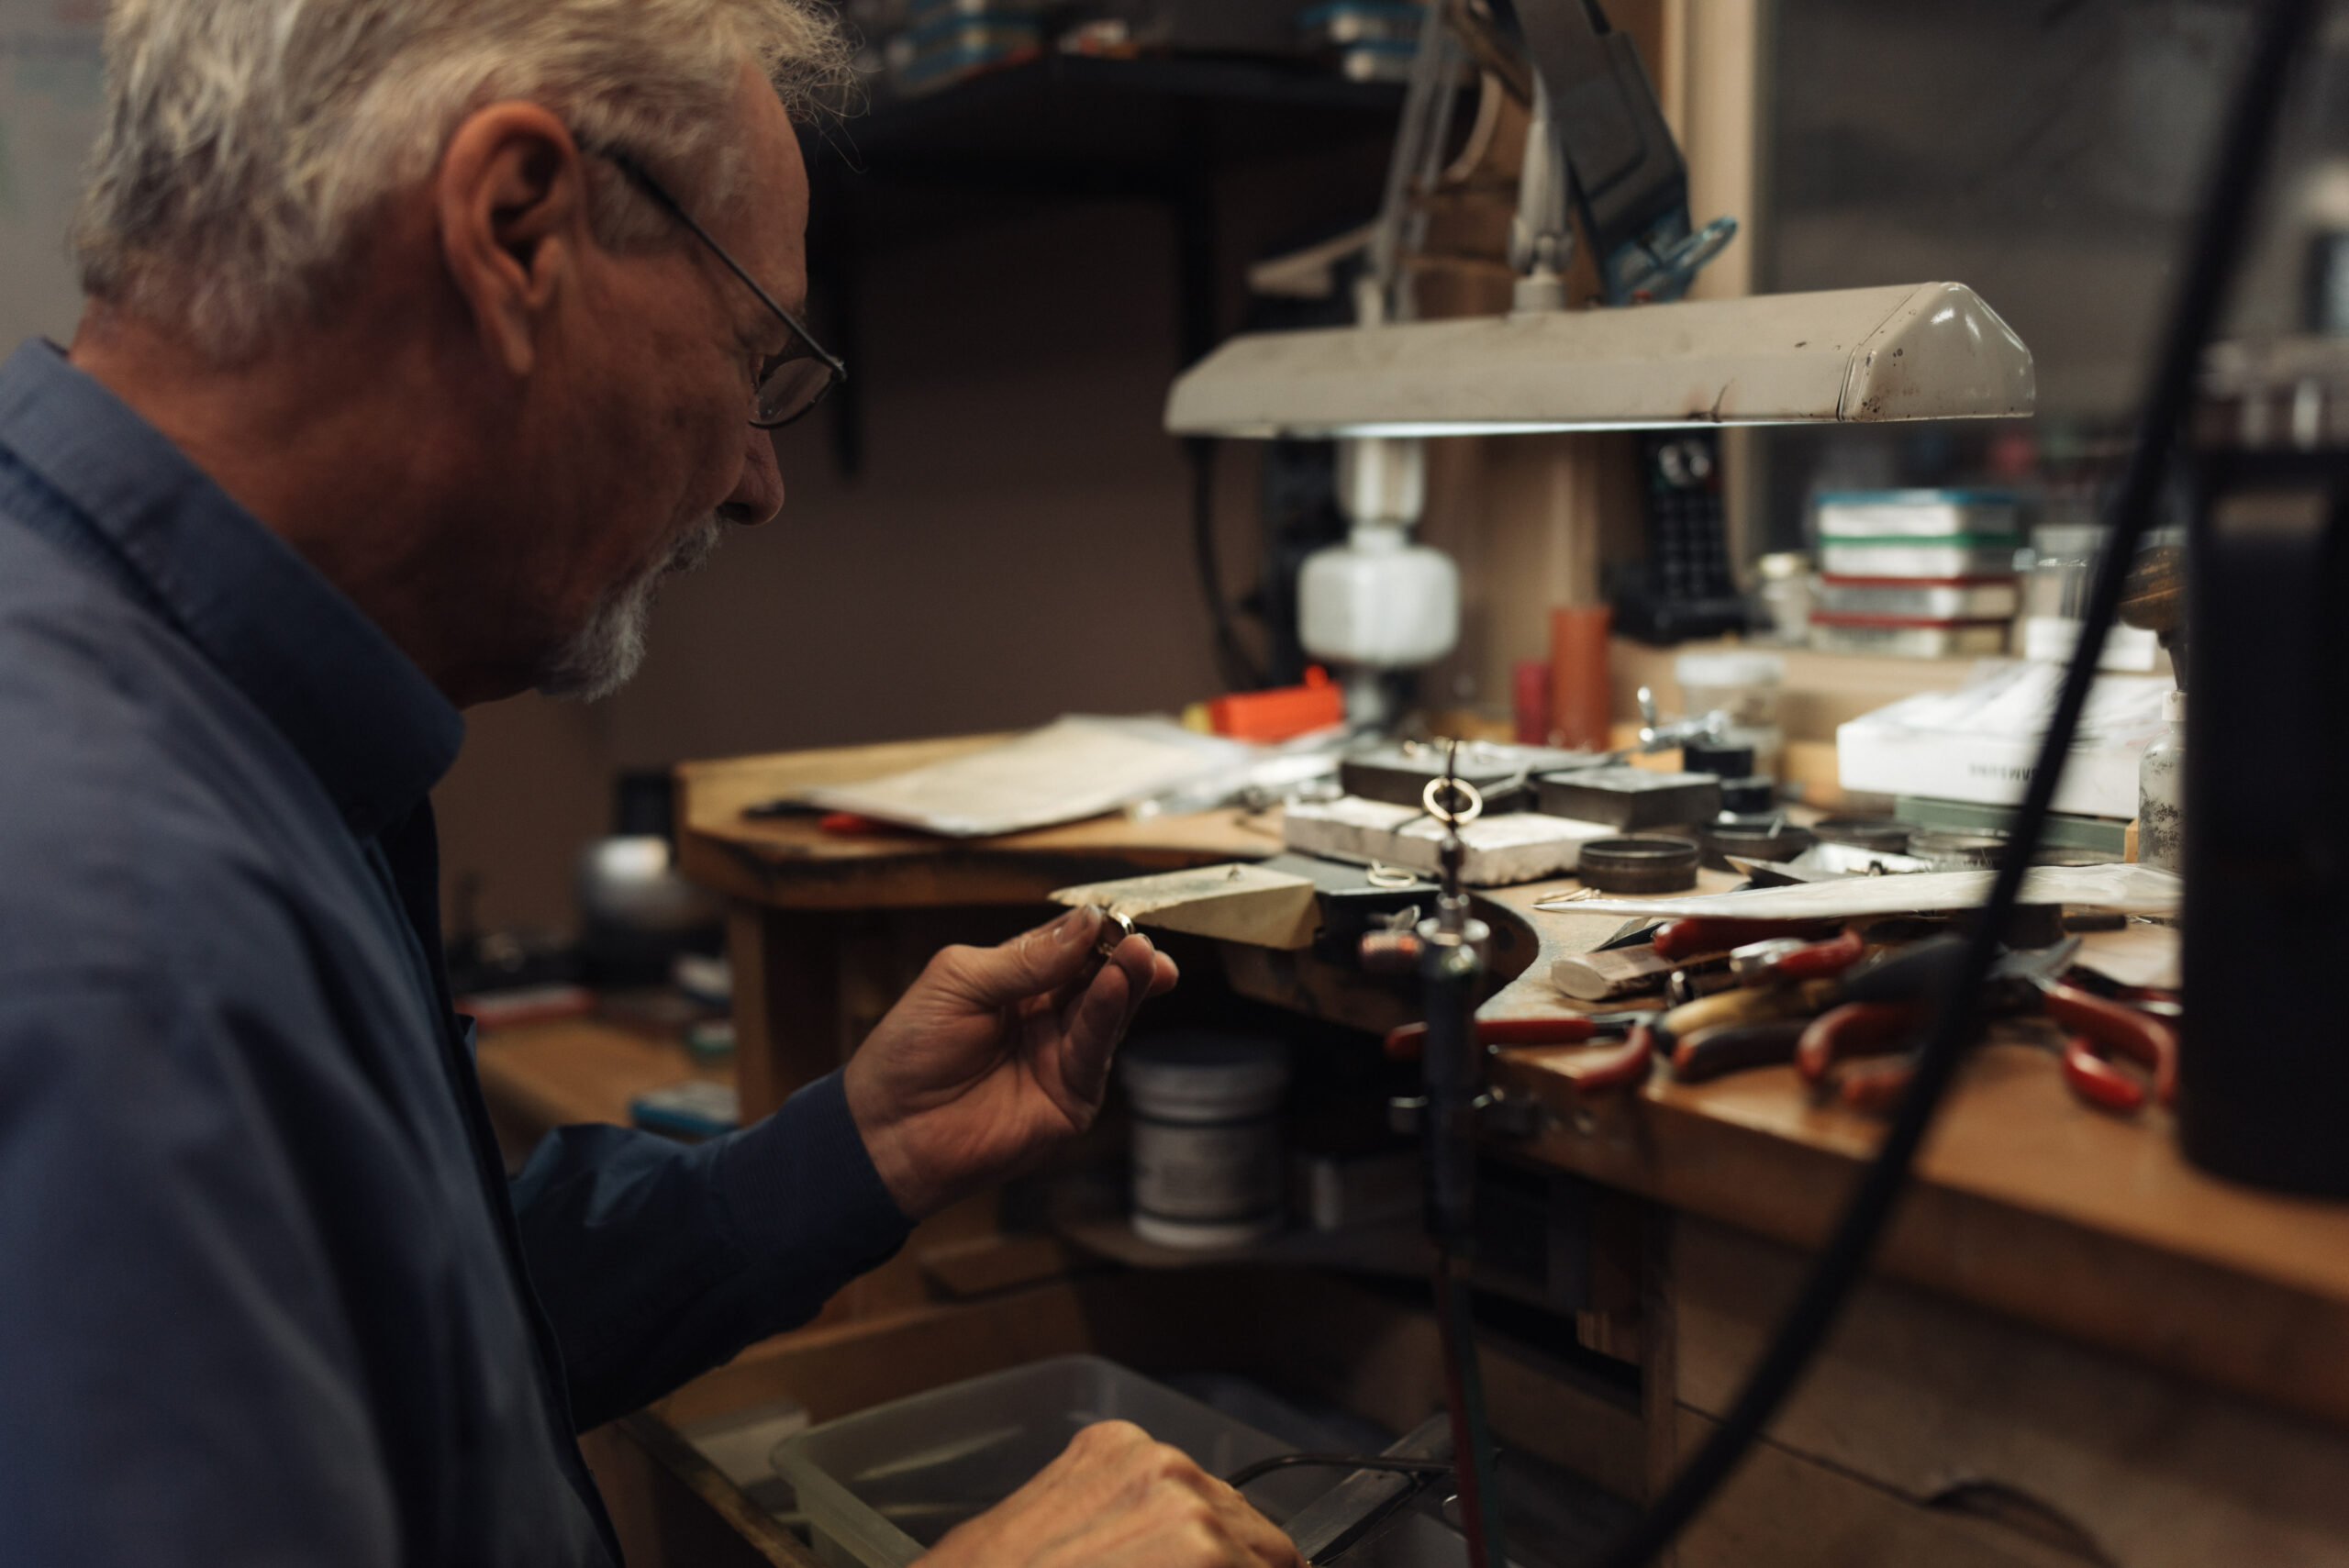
{"x": 1017, "y": 546}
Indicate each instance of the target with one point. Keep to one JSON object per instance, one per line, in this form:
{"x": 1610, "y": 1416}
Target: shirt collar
{"x": 377, "y": 733}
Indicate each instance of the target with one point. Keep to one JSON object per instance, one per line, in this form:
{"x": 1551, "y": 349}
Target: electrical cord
{"x": 2216, "y": 244}
{"x": 1240, "y": 672}
{"x": 1477, "y": 1475}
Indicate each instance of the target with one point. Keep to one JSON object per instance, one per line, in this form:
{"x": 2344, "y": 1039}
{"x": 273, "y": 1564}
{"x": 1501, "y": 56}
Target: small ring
{"x": 1389, "y": 876}
{"x": 1434, "y": 793}
{"x": 1115, "y": 928}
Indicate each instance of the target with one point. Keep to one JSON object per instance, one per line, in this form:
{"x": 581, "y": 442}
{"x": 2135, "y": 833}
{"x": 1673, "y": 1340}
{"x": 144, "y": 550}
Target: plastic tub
{"x": 882, "y": 1486}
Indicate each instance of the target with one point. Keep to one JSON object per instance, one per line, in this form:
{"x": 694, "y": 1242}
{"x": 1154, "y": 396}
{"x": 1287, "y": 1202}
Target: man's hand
{"x": 994, "y": 1057}
{"x": 1116, "y": 1499}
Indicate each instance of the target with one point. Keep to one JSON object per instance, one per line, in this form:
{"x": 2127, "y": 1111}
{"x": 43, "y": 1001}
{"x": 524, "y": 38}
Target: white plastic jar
{"x": 1744, "y": 684}
{"x": 1206, "y": 1148}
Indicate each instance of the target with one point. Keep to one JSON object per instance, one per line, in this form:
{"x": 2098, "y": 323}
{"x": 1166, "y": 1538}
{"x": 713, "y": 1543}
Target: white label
{"x": 1221, "y": 1172}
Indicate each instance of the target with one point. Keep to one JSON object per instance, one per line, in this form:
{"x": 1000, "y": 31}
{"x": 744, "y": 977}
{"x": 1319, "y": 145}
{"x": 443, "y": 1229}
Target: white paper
{"x": 1073, "y": 768}
{"x": 2137, "y": 955}
{"x": 2130, "y": 889}
{"x": 1980, "y": 742}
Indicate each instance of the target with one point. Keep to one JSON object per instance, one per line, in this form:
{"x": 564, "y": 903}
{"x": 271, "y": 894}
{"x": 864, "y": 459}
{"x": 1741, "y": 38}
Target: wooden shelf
{"x": 1086, "y": 123}
{"x": 1399, "y": 1246}
{"x": 537, "y": 1077}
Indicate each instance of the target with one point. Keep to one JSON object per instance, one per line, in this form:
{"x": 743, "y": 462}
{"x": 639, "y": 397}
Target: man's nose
{"x": 757, "y": 495}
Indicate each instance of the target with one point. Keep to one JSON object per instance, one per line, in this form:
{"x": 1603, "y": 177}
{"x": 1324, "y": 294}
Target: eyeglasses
{"x": 788, "y": 385}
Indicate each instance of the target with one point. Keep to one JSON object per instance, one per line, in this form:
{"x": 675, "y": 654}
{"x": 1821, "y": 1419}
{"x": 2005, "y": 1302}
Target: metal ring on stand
{"x": 1435, "y": 791}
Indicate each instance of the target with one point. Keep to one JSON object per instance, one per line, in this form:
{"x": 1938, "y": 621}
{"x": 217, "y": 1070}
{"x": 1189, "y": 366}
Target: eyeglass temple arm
{"x": 644, "y": 181}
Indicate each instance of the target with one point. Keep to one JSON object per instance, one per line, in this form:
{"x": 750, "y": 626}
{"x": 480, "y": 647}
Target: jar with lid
{"x": 1206, "y": 1149}
{"x": 1743, "y": 686}
{"x": 2160, "y": 793}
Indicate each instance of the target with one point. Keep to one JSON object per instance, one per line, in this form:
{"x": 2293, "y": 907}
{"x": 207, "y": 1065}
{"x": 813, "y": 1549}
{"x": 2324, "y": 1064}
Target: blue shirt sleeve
{"x": 656, "y": 1261}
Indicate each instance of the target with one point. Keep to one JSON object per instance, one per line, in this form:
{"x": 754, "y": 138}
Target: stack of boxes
{"x": 1919, "y": 573}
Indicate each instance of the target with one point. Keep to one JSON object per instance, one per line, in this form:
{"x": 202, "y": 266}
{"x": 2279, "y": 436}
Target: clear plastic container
{"x": 2160, "y": 793}
{"x": 882, "y": 1486}
{"x": 1785, "y": 589}
{"x": 2058, "y": 569}
{"x": 1742, "y": 685}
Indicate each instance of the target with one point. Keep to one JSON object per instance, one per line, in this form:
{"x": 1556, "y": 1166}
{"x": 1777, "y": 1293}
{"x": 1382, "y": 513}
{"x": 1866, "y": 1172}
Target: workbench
{"x": 2075, "y": 1348}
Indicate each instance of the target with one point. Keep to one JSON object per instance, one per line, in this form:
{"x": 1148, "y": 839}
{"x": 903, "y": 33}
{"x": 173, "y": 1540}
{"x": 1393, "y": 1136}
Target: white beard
{"x": 599, "y": 657}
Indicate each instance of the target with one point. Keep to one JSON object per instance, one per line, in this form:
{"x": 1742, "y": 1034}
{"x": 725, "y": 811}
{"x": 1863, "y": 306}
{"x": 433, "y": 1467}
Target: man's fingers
{"x": 1094, "y": 1020}
{"x": 1258, "y": 1536}
{"x": 1263, "y": 1541}
{"x": 1116, "y": 1498}
{"x": 1098, "y": 1019}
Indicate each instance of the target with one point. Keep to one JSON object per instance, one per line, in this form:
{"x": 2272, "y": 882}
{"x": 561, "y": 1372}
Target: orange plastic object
{"x": 1281, "y": 713}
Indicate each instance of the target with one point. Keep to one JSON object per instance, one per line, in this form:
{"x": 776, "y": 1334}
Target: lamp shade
{"x": 1909, "y": 352}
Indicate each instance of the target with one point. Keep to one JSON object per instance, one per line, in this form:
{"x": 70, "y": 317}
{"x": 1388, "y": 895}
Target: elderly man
{"x": 423, "y": 338}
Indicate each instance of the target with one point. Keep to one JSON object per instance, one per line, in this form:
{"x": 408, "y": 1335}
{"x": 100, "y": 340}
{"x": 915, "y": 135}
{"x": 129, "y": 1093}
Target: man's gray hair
{"x": 246, "y": 142}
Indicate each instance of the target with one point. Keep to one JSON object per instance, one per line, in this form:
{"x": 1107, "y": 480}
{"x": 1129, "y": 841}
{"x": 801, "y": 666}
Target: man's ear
{"x": 511, "y": 197}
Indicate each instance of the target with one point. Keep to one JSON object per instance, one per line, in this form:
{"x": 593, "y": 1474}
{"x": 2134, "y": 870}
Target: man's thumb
{"x": 1036, "y": 962}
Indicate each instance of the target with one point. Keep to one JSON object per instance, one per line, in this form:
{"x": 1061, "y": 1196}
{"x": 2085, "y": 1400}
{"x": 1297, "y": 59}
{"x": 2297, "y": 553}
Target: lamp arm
{"x": 1611, "y": 144}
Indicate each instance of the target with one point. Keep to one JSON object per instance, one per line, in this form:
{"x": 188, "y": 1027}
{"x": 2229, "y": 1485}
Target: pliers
{"x": 1706, "y": 1037}
{"x": 1693, "y": 935}
{"x": 1783, "y": 981}
{"x": 1620, "y": 1064}
{"x": 1889, "y": 1003}
{"x": 2103, "y": 1027}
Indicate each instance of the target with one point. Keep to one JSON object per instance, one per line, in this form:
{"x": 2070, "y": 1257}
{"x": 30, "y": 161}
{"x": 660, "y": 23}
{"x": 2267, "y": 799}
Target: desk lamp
{"x": 1597, "y": 148}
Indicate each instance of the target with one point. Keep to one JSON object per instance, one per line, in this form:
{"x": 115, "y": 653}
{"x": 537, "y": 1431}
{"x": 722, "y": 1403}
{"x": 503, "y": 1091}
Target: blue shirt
{"x": 266, "y": 1294}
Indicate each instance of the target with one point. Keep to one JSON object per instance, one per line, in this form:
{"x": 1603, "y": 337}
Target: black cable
{"x": 1477, "y": 1475}
{"x": 1240, "y": 672}
{"x": 2216, "y": 244}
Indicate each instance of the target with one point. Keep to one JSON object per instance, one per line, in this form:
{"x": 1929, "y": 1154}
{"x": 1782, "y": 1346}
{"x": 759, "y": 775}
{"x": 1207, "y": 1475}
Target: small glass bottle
{"x": 2160, "y": 793}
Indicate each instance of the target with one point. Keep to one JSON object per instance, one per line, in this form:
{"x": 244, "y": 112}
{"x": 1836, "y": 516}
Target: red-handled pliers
{"x": 1557, "y": 1028}
{"x": 1620, "y": 1064}
{"x": 1692, "y": 934}
{"x": 2096, "y": 1026}
{"x": 1790, "y": 958}
{"x": 1856, "y": 1029}
{"x": 2093, "y": 1027}
{"x": 1708, "y": 1045}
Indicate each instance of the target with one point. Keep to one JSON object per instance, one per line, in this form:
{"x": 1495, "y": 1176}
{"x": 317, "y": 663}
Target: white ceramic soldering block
{"x": 1517, "y": 845}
